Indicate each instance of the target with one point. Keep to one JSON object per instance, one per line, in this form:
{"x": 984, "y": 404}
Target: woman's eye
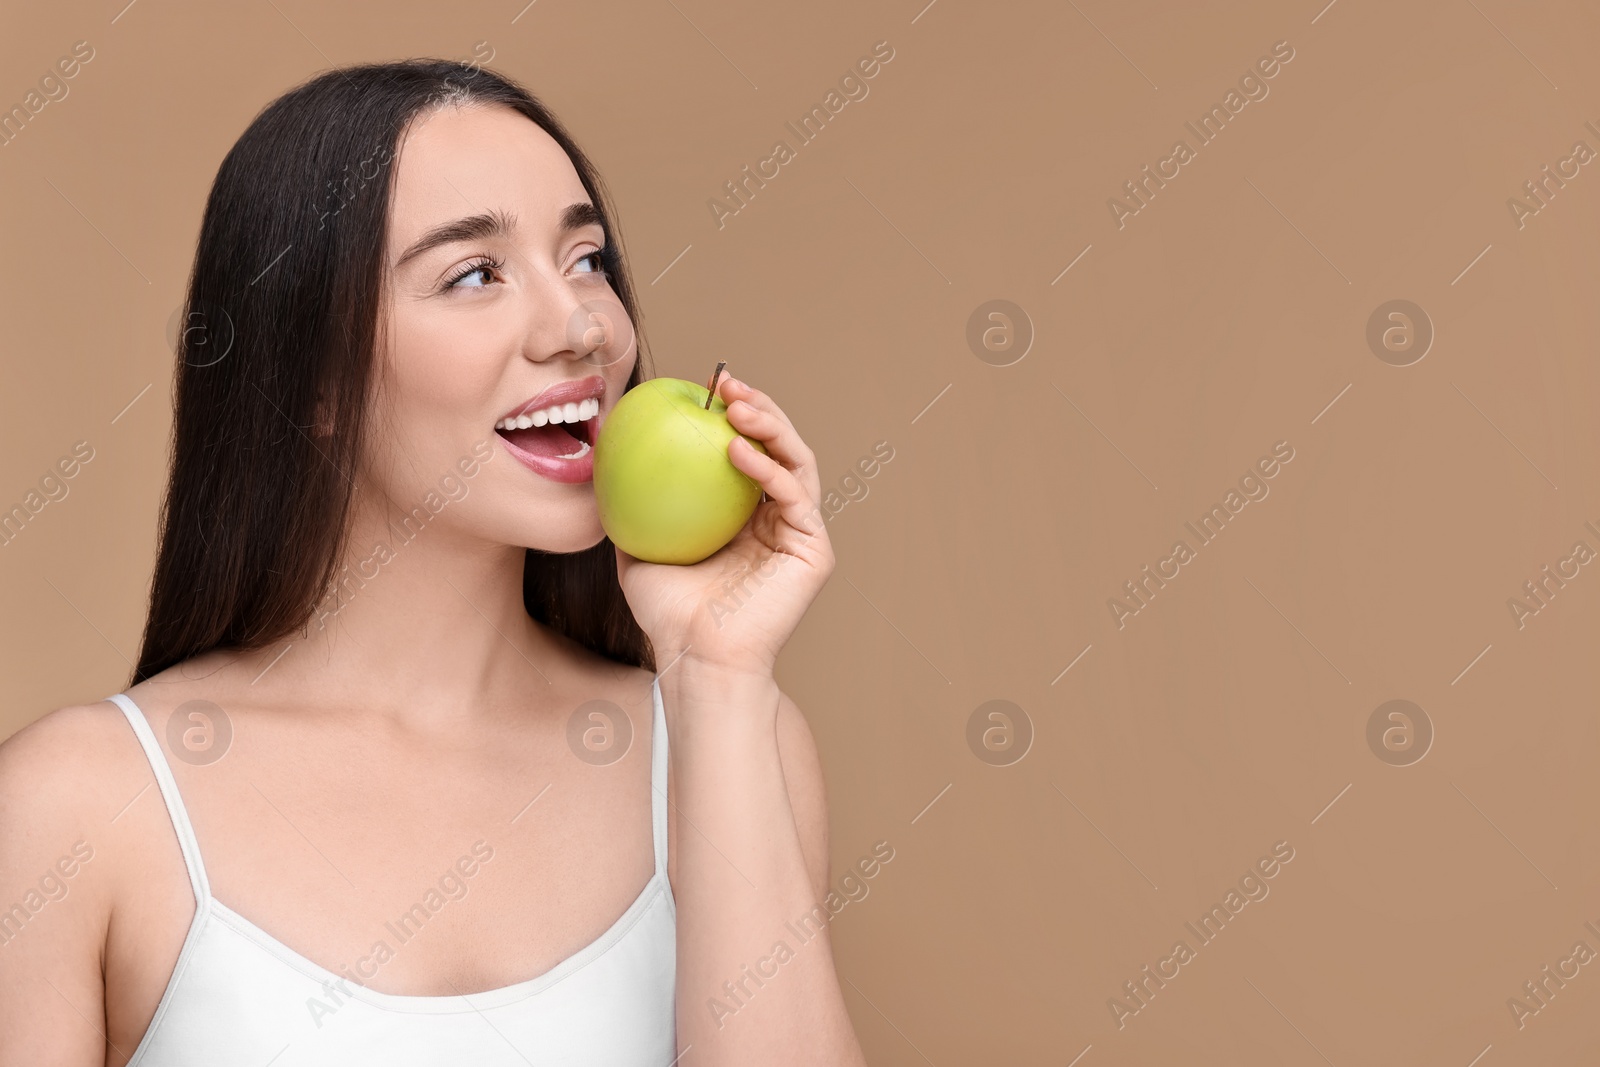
{"x": 466, "y": 281}
{"x": 475, "y": 276}
{"x": 596, "y": 262}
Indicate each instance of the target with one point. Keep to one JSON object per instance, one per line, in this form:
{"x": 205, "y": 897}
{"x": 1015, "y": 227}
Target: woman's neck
{"x": 417, "y": 618}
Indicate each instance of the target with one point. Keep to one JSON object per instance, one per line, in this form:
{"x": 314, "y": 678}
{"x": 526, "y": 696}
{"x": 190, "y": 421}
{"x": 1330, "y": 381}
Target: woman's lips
{"x": 575, "y": 470}
{"x": 590, "y": 388}
{"x": 552, "y": 452}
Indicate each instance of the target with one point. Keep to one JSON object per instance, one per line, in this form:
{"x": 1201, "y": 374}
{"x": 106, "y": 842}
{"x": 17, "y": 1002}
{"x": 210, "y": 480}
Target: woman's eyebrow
{"x": 581, "y": 214}
{"x": 494, "y": 223}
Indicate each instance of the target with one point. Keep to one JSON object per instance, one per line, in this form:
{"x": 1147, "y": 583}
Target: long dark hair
{"x": 275, "y": 352}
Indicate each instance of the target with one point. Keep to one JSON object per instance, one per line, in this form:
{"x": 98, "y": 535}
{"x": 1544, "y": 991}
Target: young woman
{"x": 407, "y": 734}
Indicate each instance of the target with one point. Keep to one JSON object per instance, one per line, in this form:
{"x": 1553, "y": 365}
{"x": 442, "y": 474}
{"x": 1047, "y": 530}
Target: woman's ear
{"x": 322, "y": 425}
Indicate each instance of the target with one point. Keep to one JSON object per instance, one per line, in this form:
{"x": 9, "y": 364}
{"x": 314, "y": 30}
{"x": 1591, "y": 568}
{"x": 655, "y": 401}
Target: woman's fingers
{"x": 795, "y": 503}
{"x": 754, "y": 414}
{"x": 787, "y": 473}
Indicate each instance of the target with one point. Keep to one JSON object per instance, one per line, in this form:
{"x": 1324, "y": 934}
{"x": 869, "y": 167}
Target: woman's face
{"x": 499, "y": 307}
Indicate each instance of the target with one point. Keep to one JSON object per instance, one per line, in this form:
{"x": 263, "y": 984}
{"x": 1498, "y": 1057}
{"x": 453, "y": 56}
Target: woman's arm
{"x": 756, "y": 978}
{"x": 802, "y": 775}
{"x": 53, "y": 909}
{"x": 756, "y": 983}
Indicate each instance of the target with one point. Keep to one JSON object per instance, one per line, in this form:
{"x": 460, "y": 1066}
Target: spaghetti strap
{"x": 658, "y": 777}
{"x": 169, "y": 793}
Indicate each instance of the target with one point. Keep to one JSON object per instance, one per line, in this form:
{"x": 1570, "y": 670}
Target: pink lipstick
{"x": 553, "y": 433}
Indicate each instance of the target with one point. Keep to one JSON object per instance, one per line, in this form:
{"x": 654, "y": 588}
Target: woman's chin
{"x": 570, "y": 539}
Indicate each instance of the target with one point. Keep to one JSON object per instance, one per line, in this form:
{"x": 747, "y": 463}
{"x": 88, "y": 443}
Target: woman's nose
{"x": 600, "y": 331}
{"x": 557, "y": 322}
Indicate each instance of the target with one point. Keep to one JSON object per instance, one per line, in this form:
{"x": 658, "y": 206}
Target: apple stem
{"x": 716, "y": 374}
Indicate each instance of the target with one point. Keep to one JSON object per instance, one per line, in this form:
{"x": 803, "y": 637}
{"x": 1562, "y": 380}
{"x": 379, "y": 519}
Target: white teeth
{"x": 582, "y": 451}
{"x": 556, "y": 414}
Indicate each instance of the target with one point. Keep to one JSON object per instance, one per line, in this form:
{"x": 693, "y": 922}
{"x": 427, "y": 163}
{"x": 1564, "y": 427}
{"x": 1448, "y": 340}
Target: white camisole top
{"x": 238, "y": 995}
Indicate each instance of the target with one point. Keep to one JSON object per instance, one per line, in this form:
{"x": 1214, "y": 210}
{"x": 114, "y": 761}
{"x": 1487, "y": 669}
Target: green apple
{"x": 666, "y": 489}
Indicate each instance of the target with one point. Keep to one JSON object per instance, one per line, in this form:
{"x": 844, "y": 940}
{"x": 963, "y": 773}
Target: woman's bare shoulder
{"x": 64, "y": 782}
{"x": 77, "y": 751}
{"x": 71, "y": 769}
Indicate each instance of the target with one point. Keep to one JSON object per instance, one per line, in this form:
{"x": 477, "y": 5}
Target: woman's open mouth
{"x": 555, "y": 441}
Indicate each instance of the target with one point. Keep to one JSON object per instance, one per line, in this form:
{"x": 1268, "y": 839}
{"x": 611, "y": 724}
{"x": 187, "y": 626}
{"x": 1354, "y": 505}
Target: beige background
{"x": 1224, "y": 317}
